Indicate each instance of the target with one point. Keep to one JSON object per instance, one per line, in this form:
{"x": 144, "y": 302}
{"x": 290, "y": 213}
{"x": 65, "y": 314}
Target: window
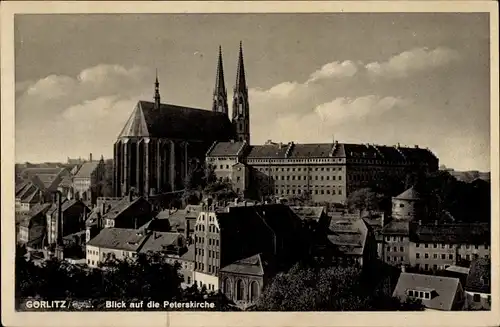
{"x": 426, "y": 246}
{"x": 435, "y": 256}
{"x": 476, "y": 298}
{"x": 427, "y": 255}
{"x": 467, "y": 257}
{"x": 450, "y": 256}
{"x": 443, "y": 246}
{"x": 401, "y": 205}
{"x": 434, "y": 267}
{"x": 254, "y": 291}
{"x": 418, "y": 255}
{"x": 239, "y": 290}
{"x": 435, "y": 245}
{"x": 426, "y": 267}
{"x": 443, "y": 256}
{"x": 388, "y": 258}
{"x": 395, "y": 249}
{"x": 388, "y": 249}
{"x": 417, "y": 245}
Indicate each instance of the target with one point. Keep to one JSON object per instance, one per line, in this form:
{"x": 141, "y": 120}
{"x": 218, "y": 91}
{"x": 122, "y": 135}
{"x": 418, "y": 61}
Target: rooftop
{"x": 442, "y": 289}
{"x": 157, "y": 241}
{"x": 252, "y": 265}
{"x": 119, "y": 239}
{"x": 224, "y": 149}
{"x": 348, "y": 235}
{"x": 87, "y": 169}
{"x": 171, "y": 121}
{"x": 308, "y": 213}
{"x": 475, "y": 233}
{"x": 409, "y": 194}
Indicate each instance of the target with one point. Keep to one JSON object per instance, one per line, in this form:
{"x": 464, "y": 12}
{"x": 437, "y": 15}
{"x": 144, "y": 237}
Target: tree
{"x": 316, "y": 288}
{"x": 364, "y": 200}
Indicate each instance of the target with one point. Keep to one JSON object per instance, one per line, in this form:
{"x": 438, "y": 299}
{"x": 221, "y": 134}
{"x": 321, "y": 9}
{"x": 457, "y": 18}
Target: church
{"x": 154, "y": 148}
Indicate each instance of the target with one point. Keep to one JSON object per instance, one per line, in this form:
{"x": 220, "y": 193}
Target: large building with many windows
{"x": 327, "y": 172}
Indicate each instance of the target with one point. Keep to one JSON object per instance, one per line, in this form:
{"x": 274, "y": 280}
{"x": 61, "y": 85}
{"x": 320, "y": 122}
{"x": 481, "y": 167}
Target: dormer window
{"x": 420, "y": 294}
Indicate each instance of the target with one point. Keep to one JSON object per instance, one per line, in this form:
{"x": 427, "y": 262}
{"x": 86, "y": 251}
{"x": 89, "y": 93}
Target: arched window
{"x": 227, "y": 287}
{"x": 254, "y": 291}
{"x": 239, "y": 290}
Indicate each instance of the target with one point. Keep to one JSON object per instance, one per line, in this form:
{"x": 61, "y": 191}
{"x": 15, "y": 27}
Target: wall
{"x": 230, "y": 281}
{"x": 484, "y": 302}
{"x": 210, "y": 281}
{"x": 396, "y": 249}
{"x": 97, "y": 254}
{"x": 435, "y": 252}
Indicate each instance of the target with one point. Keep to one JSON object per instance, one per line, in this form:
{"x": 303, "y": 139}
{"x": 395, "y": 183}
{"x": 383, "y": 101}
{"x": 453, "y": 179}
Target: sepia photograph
{"x": 252, "y": 162}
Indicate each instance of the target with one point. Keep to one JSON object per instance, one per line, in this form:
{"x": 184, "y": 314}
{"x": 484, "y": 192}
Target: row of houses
{"x": 239, "y": 247}
{"x": 37, "y": 184}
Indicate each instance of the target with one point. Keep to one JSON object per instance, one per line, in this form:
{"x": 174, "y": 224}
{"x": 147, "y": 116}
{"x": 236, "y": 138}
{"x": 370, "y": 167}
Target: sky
{"x": 382, "y": 78}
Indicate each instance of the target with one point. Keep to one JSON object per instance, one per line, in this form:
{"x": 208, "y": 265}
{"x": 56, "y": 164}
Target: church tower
{"x": 220, "y": 92}
{"x": 241, "y": 110}
{"x": 157, "y": 92}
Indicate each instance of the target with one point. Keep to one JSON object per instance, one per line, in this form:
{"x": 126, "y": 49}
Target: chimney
{"x": 90, "y": 157}
{"x": 403, "y": 268}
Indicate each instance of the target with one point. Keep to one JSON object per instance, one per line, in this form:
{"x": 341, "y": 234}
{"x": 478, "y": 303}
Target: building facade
{"x": 87, "y": 178}
{"x": 326, "y": 172}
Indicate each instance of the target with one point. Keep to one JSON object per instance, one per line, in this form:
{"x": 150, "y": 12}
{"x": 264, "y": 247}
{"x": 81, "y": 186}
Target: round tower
{"x": 408, "y": 205}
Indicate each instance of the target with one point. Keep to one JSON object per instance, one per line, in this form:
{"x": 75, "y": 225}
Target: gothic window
{"x": 227, "y": 287}
{"x": 254, "y": 291}
{"x": 239, "y": 290}
{"x": 240, "y": 108}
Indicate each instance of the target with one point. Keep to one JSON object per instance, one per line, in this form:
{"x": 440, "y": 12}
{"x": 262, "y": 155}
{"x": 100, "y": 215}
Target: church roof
{"x": 176, "y": 122}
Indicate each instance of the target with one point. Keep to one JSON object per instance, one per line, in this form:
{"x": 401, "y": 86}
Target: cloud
{"x": 413, "y": 61}
{"x": 341, "y": 109}
{"x": 334, "y": 70}
{"x": 63, "y": 114}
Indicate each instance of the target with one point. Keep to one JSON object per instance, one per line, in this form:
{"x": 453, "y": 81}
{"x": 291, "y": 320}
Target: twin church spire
{"x": 241, "y": 113}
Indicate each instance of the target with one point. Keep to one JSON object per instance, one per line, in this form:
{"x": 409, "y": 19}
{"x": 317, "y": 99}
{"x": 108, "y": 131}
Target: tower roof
{"x": 241, "y": 84}
{"x": 220, "y": 86}
{"x": 409, "y": 194}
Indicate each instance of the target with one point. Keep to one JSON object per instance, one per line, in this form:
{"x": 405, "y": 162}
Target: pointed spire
{"x": 220, "y": 87}
{"x": 157, "y": 91}
{"x": 220, "y": 92}
{"x": 241, "y": 84}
